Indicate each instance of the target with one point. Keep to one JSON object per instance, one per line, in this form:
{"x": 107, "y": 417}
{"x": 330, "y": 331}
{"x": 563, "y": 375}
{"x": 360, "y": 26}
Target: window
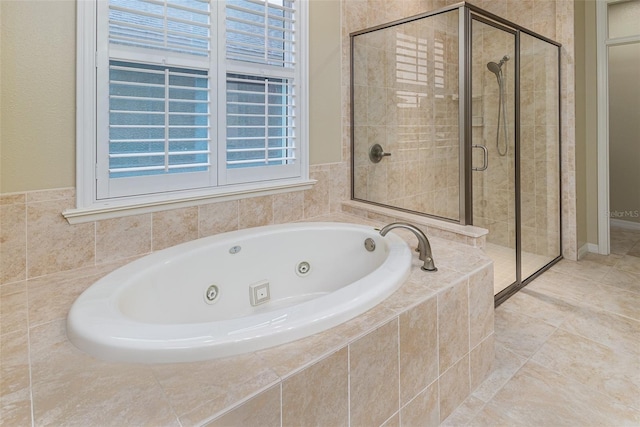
{"x": 182, "y": 99}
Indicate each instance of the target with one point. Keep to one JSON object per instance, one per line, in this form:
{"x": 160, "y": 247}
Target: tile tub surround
{"x": 467, "y": 234}
{"x": 36, "y": 240}
{"x": 421, "y": 352}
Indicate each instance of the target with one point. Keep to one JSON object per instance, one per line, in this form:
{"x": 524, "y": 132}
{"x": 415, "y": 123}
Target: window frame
{"x": 88, "y": 59}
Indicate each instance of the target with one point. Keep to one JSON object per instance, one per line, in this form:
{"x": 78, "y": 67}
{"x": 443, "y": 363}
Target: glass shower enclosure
{"x": 455, "y": 115}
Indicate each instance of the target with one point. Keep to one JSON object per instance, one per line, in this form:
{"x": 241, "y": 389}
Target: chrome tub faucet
{"x": 424, "y": 248}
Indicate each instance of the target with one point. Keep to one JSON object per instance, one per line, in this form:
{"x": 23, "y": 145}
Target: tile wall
{"x": 415, "y": 356}
{"x": 37, "y": 240}
{"x": 539, "y": 158}
{"x": 552, "y": 19}
{"x": 494, "y": 189}
{"x": 406, "y": 90}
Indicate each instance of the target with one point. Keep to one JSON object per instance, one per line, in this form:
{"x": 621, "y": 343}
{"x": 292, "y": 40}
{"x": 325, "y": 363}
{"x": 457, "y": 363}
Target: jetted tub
{"x": 237, "y": 292}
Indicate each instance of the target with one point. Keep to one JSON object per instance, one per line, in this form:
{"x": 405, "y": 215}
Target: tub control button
{"x": 259, "y": 293}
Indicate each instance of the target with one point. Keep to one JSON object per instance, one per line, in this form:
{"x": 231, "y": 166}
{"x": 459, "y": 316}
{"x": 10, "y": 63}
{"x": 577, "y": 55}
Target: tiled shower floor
{"x": 567, "y": 347}
{"x": 504, "y": 265}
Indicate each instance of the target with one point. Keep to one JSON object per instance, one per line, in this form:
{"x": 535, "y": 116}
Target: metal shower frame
{"x": 467, "y": 13}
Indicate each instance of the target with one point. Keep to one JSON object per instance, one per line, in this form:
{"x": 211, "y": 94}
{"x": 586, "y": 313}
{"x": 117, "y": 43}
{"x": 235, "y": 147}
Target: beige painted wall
{"x": 38, "y": 95}
{"x": 325, "y": 127}
{"x": 582, "y": 141}
{"x": 624, "y": 132}
{"x": 581, "y": 138}
{"x": 37, "y": 91}
{"x": 591, "y": 121}
{"x": 586, "y": 123}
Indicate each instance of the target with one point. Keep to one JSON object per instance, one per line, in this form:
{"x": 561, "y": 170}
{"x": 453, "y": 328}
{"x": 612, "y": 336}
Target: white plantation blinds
{"x": 158, "y": 115}
{"x": 173, "y": 26}
{"x": 158, "y": 120}
{"x": 196, "y": 94}
{"x": 259, "y": 121}
{"x": 261, "y": 107}
{"x": 261, "y": 31}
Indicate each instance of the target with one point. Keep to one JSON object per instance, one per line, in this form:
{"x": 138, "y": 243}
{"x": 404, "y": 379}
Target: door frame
{"x": 603, "y": 43}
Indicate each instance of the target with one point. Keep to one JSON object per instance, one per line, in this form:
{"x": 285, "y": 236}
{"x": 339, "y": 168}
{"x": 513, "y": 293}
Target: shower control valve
{"x": 376, "y": 153}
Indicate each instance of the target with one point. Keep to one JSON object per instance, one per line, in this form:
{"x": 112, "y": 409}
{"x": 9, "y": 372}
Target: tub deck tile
{"x": 287, "y": 359}
{"x": 73, "y": 389}
{"x": 69, "y": 387}
{"x": 198, "y": 390}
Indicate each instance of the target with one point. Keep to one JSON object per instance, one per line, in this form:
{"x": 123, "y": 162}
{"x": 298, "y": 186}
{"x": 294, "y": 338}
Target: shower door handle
{"x": 485, "y": 153}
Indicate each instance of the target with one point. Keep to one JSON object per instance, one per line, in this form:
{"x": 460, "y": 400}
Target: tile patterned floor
{"x": 567, "y": 347}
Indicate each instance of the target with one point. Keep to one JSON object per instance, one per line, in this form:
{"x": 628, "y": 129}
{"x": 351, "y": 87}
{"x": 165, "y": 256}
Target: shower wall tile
{"x": 398, "y": 180}
{"x": 520, "y": 10}
{"x": 553, "y": 19}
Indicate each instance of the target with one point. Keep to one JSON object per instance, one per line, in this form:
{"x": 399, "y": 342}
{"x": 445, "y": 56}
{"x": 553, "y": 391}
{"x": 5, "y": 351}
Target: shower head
{"x": 496, "y": 68}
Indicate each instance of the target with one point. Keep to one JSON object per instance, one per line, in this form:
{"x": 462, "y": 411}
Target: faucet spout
{"x": 424, "y": 248}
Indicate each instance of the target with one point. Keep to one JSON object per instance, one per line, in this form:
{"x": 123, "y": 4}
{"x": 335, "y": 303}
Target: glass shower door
{"x": 539, "y": 154}
{"x": 493, "y": 144}
{"x": 405, "y": 116}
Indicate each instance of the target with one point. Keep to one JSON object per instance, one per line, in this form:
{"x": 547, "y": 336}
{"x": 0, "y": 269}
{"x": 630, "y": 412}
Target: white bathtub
{"x": 163, "y": 308}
